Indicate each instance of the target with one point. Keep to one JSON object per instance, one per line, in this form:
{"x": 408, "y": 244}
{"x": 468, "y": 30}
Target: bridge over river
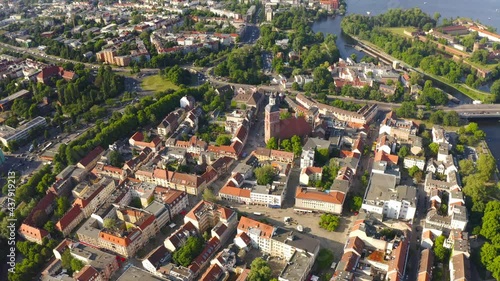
{"x": 476, "y": 110}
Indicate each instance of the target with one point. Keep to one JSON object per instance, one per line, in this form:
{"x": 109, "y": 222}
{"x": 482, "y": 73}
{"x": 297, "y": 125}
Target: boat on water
{"x": 368, "y": 13}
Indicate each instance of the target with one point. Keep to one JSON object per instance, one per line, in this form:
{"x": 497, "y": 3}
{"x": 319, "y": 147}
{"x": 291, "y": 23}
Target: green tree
{"x": 403, "y": 151}
{"x": 486, "y": 165}
{"x": 491, "y": 222}
{"x": 434, "y": 148}
{"x": 76, "y": 265}
{"x": 265, "y": 174}
{"x": 110, "y": 223}
{"x": 408, "y": 109}
{"x": 259, "y": 271}
{"x": 329, "y": 222}
{"x": 467, "y": 167}
{"x": 442, "y": 254}
{"x": 285, "y": 115}
{"x": 49, "y": 226}
{"x": 451, "y": 118}
{"x": 324, "y": 259}
{"x": 62, "y": 205}
{"x": 476, "y": 189}
{"x": 321, "y": 157}
{"x": 413, "y": 170}
{"x": 223, "y": 140}
{"x": 286, "y": 145}
{"x": 297, "y": 145}
{"x": 116, "y": 159}
{"x": 188, "y": 252}
{"x": 488, "y": 253}
{"x": 436, "y": 16}
{"x": 355, "y": 203}
{"x": 206, "y": 236}
{"x": 272, "y": 143}
{"x": 208, "y": 195}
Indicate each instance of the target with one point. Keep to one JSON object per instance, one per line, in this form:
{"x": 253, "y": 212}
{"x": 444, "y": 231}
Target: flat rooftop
{"x": 296, "y": 239}
{"x": 296, "y": 266}
{"x": 134, "y": 274}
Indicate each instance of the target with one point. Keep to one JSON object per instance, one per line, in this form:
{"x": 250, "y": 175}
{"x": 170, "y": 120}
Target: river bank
{"x": 332, "y": 26}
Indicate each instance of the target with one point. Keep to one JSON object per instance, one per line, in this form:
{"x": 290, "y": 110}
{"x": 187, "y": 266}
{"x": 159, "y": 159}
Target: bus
{"x": 302, "y": 211}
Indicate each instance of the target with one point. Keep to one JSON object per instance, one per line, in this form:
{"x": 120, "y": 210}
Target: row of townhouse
{"x": 366, "y": 254}
{"x": 297, "y": 249}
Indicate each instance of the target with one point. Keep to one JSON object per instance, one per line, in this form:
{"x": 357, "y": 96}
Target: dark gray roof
{"x": 340, "y": 185}
{"x": 297, "y": 240}
{"x": 134, "y": 274}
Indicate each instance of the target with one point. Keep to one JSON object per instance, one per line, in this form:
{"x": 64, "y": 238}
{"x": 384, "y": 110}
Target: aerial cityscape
{"x": 233, "y": 140}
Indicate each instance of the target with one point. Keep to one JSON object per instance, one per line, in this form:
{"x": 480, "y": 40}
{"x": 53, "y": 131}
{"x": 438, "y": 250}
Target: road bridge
{"x": 476, "y": 110}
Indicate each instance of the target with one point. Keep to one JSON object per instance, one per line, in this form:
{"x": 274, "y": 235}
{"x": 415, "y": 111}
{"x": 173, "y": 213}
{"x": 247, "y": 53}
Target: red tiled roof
{"x": 147, "y": 222}
{"x": 453, "y": 28}
{"x": 247, "y": 223}
{"x": 294, "y": 126}
{"x": 346, "y": 153}
{"x": 426, "y": 263}
{"x": 358, "y": 144}
{"x": 281, "y": 154}
{"x": 335, "y": 197}
{"x": 382, "y": 156}
{"x": 221, "y": 229}
{"x": 484, "y": 31}
{"x": 243, "y": 276}
{"x": 312, "y": 170}
{"x": 69, "y": 217}
{"x": 87, "y": 273}
{"x": 207, "y": 253}
{"x": 235, "y": 191}
{"x": 397, "y": 265}
{"x": 213, "y": 273}
{"x": 138, "y": 136}
{"x": 96, "y": 152}
{"x": 63, "y": 245}
{"x": 122, "y": 241}
{"x": 209, "y": 175}
{"x": 168, "y": 195}
{"x": 237, "y": 146}
{"x": 243, "y": 236}
{"x": 48, "y": 72}
{"x": 225, "y": 213}
{"x": 33, "y": 232}
{"x": 348, "y": 260}
{"x": 355, "y": 244}
{"x": 241, "y": 133}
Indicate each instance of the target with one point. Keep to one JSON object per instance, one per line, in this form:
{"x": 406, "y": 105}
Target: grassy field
{"x": 488, "y": 66}
{"x": 470, "y": 92}
{"x": 156, "y": 83}
{"x": 400, "y": 30}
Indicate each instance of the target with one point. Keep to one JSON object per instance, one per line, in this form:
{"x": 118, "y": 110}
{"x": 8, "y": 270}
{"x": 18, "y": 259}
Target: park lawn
{"x": 400, "y": 30}
{"x": 156, "y": 83}
{"x": 488, "y": 66}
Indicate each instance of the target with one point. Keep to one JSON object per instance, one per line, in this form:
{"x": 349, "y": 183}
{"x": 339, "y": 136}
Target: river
{"x": 486, "y": 11}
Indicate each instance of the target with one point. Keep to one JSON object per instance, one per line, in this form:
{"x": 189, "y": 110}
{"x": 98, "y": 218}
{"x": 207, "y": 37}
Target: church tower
{"x": 272, "y": 119}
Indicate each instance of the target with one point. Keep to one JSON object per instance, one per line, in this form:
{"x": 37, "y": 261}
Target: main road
{"x": 464, "y": 110}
